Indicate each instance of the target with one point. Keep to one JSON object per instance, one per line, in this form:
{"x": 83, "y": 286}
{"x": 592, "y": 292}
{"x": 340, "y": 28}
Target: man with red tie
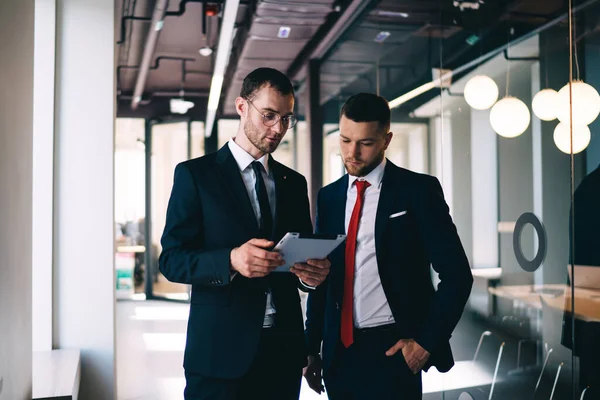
{"x": 377, "y": 320}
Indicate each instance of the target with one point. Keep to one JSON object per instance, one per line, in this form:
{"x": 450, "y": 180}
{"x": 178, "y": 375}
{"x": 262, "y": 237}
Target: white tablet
{"x": 297, "y": 248}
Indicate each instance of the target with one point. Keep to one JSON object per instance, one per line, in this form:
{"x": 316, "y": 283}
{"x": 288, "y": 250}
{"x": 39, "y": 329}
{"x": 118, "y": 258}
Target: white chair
{"x": 583, "y": 393}
{"x": 464, "y": 374}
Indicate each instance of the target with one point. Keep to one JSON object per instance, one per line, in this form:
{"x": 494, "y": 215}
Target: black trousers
{"x": 363, "y": 371}
{"x": 273, "y": 376}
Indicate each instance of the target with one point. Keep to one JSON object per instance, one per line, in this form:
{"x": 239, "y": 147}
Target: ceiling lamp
{"x": 544, "y": 104}
{"x": 205, "y": 51}
{"x": 586, "y": 104}
{"x": 222, "y": 58}
{"x": 510, "y": 117}
{"x": 481, "y": 92}
{"x": 562, "y": 138}
{"x": 180, "y": 106}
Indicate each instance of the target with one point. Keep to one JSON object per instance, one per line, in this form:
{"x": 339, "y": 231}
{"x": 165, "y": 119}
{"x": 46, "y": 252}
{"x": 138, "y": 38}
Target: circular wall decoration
{"x": 529, "y": 265}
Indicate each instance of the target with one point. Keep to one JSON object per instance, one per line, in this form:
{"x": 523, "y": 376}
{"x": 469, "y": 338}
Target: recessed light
{"x": 284, "y": 32}
{"x": 382, "y": 36}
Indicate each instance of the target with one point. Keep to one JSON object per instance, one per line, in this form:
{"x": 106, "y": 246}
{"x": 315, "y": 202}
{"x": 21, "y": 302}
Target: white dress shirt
{"x": 371, "y": 307}
{"x": 244, "y": 162}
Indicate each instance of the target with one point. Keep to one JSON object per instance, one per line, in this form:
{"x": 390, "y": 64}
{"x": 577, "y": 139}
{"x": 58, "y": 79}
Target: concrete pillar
{"x": 84, "y": 277}
{"x": 16, "y": 150}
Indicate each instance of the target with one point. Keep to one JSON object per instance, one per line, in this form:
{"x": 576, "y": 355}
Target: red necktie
{"x": 347, "y": 326}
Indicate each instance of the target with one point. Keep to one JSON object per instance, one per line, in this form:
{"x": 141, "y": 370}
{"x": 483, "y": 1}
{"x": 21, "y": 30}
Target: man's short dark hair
{"x": 368, "y": 107}
{"x": 261, "y": 77}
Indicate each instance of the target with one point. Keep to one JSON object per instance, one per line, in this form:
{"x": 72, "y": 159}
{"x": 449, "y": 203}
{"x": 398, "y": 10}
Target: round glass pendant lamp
{"x": 481, "y": 92}
{"x": 562, "y": 138}
{"x": 586, "y": 104}
{"x": 544, "y": 104}
{"x": 510, "y": 117}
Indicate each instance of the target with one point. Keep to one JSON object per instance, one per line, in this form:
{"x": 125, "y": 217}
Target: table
{"x": 557, "y": 296}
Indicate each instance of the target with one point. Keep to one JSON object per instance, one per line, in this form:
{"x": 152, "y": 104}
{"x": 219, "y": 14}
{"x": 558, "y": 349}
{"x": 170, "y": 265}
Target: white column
{"x": 442, "y": 130}
{"x": 484, "y": 180}
{"x": 43, "y": 172}
{"x": 16, "y": 150}
{"x": 84, "y": 277}
{"x": 417, "y": 147}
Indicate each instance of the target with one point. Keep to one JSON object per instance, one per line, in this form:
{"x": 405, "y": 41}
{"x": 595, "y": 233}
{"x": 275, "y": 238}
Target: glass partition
{"x": 524, "y": 205}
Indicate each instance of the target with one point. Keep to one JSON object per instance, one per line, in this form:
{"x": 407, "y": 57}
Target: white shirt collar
{"x": 244, "y": 159}
{"x": 374, "y": 177}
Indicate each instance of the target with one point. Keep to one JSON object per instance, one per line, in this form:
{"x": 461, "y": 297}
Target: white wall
{"x": 84, "y": 282}
{"x": 43, "y": 171}
{"x": 441, "y": 142}
{"x": 16, "y": 137}
{"x": 484, "y": 195}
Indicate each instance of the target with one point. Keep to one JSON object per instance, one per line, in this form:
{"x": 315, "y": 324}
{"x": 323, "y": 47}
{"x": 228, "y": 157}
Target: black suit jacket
{"x": 587, "y": 220}
{"x": 405, "y": 246}
{"x": 209, "y": 214}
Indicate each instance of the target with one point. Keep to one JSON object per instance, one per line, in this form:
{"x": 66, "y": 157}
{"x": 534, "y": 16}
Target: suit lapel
{"x": 337, "y": 210}
{"x": 232, "y": 180}
{"x": 389, "y": 199}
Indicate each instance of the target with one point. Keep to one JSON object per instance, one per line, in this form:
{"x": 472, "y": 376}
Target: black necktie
{"x": 266, "y": 218}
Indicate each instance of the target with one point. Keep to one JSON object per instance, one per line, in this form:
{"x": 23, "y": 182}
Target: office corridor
{"x": 150, "y": 344}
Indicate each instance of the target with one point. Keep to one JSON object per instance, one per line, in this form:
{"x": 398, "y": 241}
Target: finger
{"x": 319, "y": 263}
{"x": 259, "y": 270}
{"x": 395, "y": 348}
{"x": 305, "y": 267}
{"x": 266, "y": 255}
{"x": 306, "y": 281}
{"x": 308, "y": 276}
{"x": 315, "y": 272}
{"x": 414, "y": 365}
{"x": 262, "y": 243}
{"x": 266, "y": 263}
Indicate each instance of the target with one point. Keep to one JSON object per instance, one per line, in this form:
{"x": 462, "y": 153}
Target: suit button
{"x": 337, "y": 306}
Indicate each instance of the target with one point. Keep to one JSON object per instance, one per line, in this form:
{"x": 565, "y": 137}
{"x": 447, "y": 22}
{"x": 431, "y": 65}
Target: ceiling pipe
{"x": 156, "y": 26}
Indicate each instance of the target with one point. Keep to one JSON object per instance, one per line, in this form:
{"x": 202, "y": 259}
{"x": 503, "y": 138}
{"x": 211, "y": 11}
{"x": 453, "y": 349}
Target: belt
{"x": 374, "y": 329}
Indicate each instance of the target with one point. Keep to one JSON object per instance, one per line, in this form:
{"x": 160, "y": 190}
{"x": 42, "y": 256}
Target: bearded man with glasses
{"x": 227, "y": 210}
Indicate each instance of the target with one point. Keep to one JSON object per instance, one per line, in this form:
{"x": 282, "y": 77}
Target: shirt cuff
{"x": 307, "y": 286}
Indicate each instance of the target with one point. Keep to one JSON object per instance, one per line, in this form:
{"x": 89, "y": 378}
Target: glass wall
{"x": 171, "y": 144}
{"x": 524, "y": 206}
{"x": 130, "y": 208}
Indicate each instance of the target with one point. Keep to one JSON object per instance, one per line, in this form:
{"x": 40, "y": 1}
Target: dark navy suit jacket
{"x": 209, "y": 214}
{"x": 405, "y": 246}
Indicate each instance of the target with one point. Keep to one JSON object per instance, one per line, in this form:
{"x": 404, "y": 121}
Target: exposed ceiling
{"x": 423, "y": 34}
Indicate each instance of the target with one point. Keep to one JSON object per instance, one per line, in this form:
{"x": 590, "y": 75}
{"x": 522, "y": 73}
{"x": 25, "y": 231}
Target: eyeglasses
{"x": 271, "y": 118}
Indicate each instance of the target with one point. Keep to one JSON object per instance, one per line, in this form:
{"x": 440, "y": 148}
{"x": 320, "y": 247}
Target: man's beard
{"x": 364, "y": 170}
{"x": 253, "y": 135}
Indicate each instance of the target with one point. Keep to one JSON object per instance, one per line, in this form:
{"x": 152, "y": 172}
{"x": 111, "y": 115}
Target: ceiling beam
{"x": 320, "y": 45}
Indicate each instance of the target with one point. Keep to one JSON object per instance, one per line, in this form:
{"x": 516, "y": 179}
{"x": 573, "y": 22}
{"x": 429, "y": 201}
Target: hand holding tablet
{"x": 306, "y": 256}
{"x": 296, "y": 248}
